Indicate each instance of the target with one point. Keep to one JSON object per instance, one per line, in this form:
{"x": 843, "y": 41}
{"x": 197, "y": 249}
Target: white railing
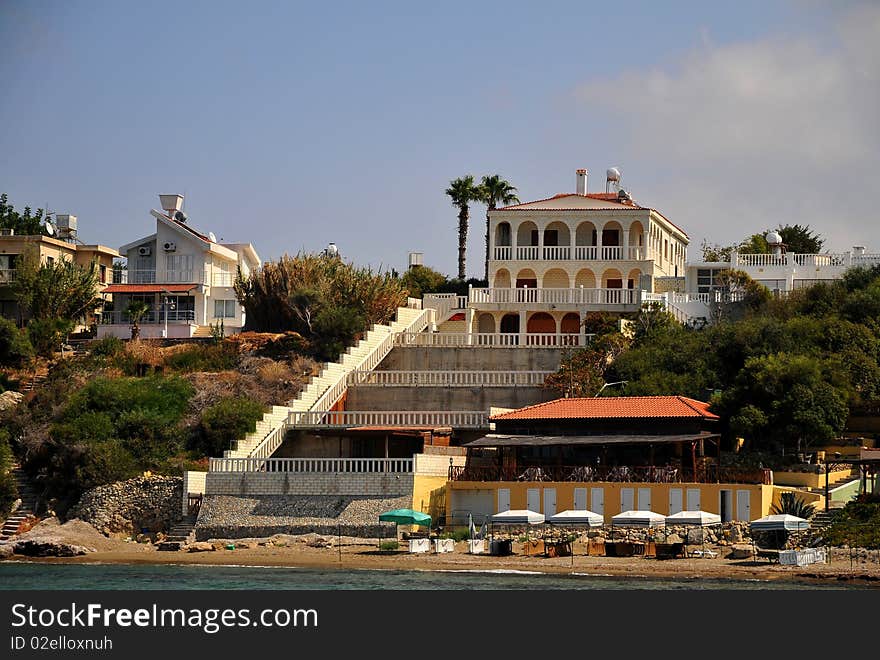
{"x": 7, "y": 276}
{"x": 270, "y": 443}
{"x": 152, "y": 317}
{"x": 414, "y": 303}
{"x": 491, "y": 339}
{"x": 473, "y": 419}
{"x": 586, "y": 252}
{"x": 797, "y": 259}
{"x": 575, "y": 296}
{"x": 866, "y": 259}
{"x": 611, "y": 253}
{"x": 223, "y": 279}
{"x": 188, "y": 276}
{"x": 557, "y": 253}
{"x": 313, "y": 465}
{"x": 461, "y": 302}
{"x": 570, "y": 252}
{"x": 448, "y": 378}
{"x": 443, "y": 303}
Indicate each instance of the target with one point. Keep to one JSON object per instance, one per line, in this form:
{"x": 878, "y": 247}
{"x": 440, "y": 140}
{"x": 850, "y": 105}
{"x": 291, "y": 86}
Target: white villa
{"x": 554, "y": 260}
{"x": 185, "y": 277}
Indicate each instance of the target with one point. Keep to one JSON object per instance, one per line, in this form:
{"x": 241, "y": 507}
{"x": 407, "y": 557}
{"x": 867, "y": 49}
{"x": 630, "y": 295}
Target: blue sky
{"x": 290, "y": 125}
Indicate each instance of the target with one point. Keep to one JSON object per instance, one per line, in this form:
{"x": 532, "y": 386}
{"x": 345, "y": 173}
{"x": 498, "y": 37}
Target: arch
{"x": 527, "y": 233}
{"x": 585, "y": 234}
{"x": 636, "y": 234}
{"x": 486, "y": 323}
{"x": 526, "y": 278}
{"x": 557, "y": 233}
{"x": 555, "y": 278}
{"x": 612, "y": 279}
{"x": 585, "y": 278}
{"x": 502, "y": 234}
{"x": 541, "y": 322}
{"x": 509, "y": 323}
{"x": 612, "y": 234}
{"x": 570, "y": 324}
{"x": 633, "y": 279}
{"x": 502, "y": 279}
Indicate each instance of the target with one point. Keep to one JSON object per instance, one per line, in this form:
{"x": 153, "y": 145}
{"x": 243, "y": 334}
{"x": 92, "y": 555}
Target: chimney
{"x": 171, "y": 203}
{"x": 581, "y": 182}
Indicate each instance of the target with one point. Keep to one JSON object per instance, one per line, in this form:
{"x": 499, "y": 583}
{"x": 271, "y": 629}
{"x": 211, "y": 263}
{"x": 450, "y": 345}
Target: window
{"x": 50, "y": 261}
{"x": 102, "y": 273}
{"x": 551, "y": 237}
{"x": 224, "y": 309}
{"x": 707, "y": 279}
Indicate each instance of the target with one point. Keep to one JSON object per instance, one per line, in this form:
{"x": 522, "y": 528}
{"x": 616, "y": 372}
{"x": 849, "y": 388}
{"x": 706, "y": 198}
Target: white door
{"x": 549, "y": 502}
{"x": 533, "y": 499}
{"x": 580, "y": 499}
{"x": 743, "y": 505}
{"x": 627, "y": 499}
{"x": 725, "y": 505}
{"x": 597, "y": 500}
{"x": 503, "y": 500}
{"x": 693, "y": 499}
{"x": 644, "y": 499}
{"x": 674, "y": 500}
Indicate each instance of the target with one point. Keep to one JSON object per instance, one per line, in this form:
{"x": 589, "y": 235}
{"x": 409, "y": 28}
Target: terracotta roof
{"x": 605, "y": 197}
{"x": 623, "y": 407}
{"x": 149, "y": 288}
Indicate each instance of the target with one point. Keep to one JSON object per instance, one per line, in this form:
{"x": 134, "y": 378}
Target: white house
{"x": 554, "y": 260}
{"x": 185, "y": 277}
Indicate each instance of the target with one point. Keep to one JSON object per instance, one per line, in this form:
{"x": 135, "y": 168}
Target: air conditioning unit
{"x": 144, "y": 251}
{"x": 169, "y": 246}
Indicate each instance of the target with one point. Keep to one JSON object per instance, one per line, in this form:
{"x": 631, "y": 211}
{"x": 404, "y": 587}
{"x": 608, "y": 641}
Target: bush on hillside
{"x": 107, "y": 347}
{"x": 8, "y": 491}
{"x": 203, "y": 357}
{"x": 228, "y": 420}
{"x": 47, "y": 335}
{"x": 15, "y": 346}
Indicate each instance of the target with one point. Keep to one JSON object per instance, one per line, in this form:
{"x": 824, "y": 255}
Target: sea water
{"x": 24, "y": 575}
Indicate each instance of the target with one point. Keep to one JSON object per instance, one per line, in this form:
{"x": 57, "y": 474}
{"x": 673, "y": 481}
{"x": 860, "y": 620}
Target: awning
{"x": 150, "y": 288}
{"x": 577, "y": 517}
{"x": 500, "y": 440}
{"x": 518, "y": 517}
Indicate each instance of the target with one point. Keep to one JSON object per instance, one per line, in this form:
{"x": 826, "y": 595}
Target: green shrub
{"x": 463, "y": 534}
{"x": 8, "y": 491}
{"x": 199, "y": 357}
{"x": 388, "y": 545}
{"x": 108, "y": 347}
{"x": 15, "y": 346}
{"x": 228, "y": 420}
{"x": 47, "y": 335}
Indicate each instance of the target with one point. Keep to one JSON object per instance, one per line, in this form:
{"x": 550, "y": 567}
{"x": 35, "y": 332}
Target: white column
{"x": 469, "y": 320}
{"x": 625, "y": 242}
{"x": 522, "y": 328}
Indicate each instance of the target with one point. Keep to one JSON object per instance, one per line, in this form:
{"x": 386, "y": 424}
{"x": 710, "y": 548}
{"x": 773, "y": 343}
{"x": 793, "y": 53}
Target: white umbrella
{"x": 638, "y": 519}
{"x": 577, "y": 517}
{"x": 699, "y": 518}
{"x": 779, "y": 522}
{"x": 518, "y": 517}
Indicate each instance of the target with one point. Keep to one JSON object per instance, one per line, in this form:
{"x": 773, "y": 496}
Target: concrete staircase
{"x": 182, "y": 531}
{"x": 323, "y": 391}
{"x": 34, "y": 382}
{"x": 202, "y": 332}
{"x": 27, "y": 507}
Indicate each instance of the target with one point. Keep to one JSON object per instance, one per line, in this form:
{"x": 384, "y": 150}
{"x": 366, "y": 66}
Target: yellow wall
{"x": 816, "y": 499}
{"x": 807, "y": 479}
{"x": 424, "y": 489}
{"x": 760, "y": 500}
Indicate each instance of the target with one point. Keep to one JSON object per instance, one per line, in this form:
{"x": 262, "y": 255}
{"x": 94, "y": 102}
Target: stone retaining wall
{"x": 318, "y": 483}
{"x": 127, "y": 507}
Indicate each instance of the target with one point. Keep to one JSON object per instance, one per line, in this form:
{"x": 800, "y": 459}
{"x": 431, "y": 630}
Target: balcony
{"x": 616, "y": 474}
{"x": 154, "y": 316}
{"x": 577, "y": 296}
{"x": 188, "y": 276}
{"x": 571, "y": 253}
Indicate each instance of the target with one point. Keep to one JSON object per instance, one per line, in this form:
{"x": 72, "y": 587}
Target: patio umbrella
{"x": 698, "y": 518}
{"x": 577, "y": 517}
{"x": 779, "y": 522}
{"x": 406, "y": 517}
{"x": 518, "y": 517}
{"x": 638, "y": 519}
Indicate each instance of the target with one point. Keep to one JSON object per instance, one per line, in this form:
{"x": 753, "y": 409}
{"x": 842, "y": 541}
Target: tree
{"x": 582, "y": 372}
{"x": 736, "y": 293}
{"x": 26, "y": 223}
{"x": 793, "y": 505}
{"x": 651, "y": 319}
{"x": 420, "y": 280}
{"x": 136, "y": 310}
{"x": 493, "y": 189}
{"x": 15, "y": 347}
{"x": 58, "y": 290}
{"x": 463, "y": 191}
{"x": 800, "y": 239}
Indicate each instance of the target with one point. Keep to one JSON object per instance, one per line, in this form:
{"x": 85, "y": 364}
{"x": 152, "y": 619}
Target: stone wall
{"x": 394, "y": 397}
{"x": 259, "y": 516}
{"x": 472, "y": 358}
{"x": 318, "y": 483}
{"x": 127, "y": 507}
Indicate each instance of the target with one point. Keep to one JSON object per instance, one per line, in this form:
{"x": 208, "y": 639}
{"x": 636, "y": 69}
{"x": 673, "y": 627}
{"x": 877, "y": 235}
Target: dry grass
{"x": 274, "y": 372}
{"x": 148, "y": 352}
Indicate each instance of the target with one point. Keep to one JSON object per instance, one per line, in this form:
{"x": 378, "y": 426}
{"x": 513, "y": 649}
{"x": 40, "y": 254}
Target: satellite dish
{"x": 50, "y": 228}
{"x": 180, "y": 216}
{"x": 212, "y": 237}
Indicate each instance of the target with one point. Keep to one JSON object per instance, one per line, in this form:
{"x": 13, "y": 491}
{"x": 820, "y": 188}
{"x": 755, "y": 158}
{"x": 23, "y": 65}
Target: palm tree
{"x": 463, "y": 191}
{"x": 793, "y": 505}
{"x": 136, "y": 310}
{"x": 494, "y": 189}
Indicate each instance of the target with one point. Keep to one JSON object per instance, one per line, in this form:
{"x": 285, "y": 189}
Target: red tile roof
{"x": 149, "y": 288}
{"x": 626, "y": 407}
{"x": 605, "y": 197}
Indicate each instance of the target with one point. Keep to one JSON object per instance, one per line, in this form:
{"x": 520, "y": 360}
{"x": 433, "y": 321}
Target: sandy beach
{"x": 368, "y": 556}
